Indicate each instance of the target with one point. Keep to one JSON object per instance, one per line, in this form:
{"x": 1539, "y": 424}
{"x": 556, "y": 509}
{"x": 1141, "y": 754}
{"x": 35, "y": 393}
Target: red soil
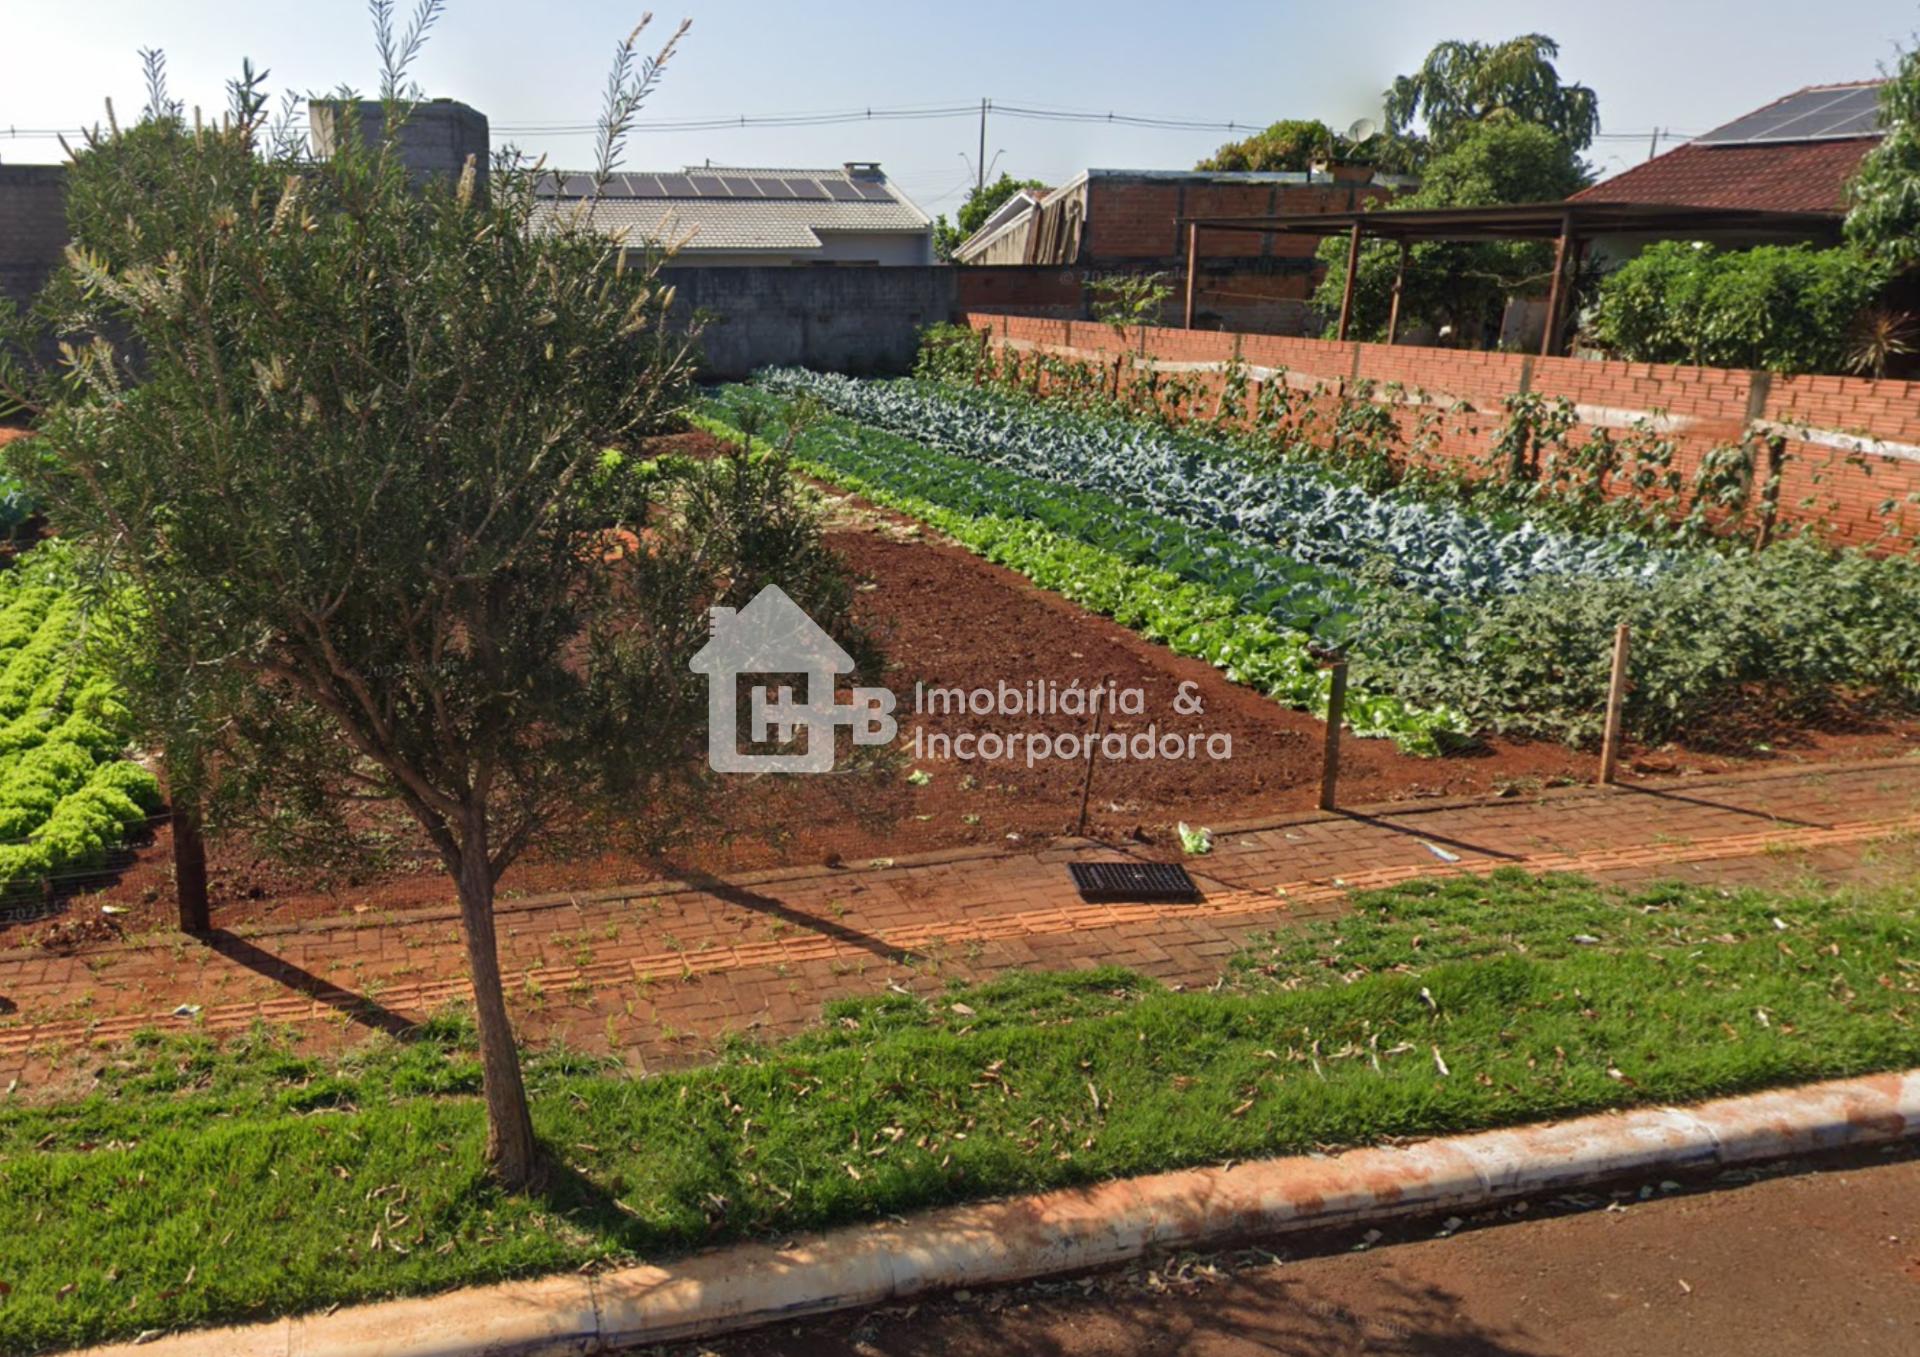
{"x": 950, "y": 619}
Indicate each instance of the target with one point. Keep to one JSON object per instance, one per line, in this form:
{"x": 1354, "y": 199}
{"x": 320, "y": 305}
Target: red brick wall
{"x": 1227, "y": 298}
{"x": 1851, "y": 463}
{"x": 1131, "y": 219}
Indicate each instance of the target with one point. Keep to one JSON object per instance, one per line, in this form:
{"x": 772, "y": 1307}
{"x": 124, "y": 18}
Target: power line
{"x": 896, "y": 113}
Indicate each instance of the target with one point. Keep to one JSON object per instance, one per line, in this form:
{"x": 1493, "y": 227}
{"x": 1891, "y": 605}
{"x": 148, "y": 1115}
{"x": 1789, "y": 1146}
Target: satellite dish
{"x": 1361, "y": 129}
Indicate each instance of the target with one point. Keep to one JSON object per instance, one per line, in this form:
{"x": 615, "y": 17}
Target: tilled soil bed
{"x": 949, "y": 620}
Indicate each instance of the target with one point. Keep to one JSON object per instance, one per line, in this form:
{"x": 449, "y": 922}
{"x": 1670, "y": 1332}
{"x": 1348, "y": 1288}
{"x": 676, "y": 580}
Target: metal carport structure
{"x": 1570, "y": 224}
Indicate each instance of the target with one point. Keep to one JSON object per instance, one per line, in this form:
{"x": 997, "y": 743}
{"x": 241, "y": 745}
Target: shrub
{"x": 1785, "y": 308}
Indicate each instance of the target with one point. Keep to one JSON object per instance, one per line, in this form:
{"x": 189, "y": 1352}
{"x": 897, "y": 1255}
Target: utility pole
{"x": 1654, "y": 149}
{"x": 980, "y": 173}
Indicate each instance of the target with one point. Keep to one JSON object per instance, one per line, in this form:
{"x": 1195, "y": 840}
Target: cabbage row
{"x": 67, "y": 796}
{"x": 1435, "y": 550}
{"x": 1258, "y": 578}
{"x": 1111, "y": 560}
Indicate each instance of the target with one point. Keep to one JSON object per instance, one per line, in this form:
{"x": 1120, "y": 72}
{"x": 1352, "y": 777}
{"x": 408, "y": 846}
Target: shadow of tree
{"x": 1264, "y": 1311}
{"x": 722, "y": 889}
{"x": 360, "y": 1008}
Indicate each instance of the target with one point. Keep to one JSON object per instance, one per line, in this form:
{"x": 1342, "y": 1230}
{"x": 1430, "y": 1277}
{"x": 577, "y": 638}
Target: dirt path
{"x": 1825, "y": 1262}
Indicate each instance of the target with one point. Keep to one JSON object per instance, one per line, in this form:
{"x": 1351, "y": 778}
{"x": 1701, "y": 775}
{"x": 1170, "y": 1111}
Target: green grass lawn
{"x": 200, "y": 1185}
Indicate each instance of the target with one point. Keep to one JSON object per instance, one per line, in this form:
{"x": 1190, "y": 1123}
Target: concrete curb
{"x": 1070, "y": 1231}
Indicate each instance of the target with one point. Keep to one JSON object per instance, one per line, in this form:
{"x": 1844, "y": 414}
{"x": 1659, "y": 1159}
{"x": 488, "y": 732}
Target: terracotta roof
{"x": 1792, "y": 176}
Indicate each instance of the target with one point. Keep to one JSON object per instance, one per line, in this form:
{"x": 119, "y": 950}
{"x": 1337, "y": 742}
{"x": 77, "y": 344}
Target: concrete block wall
{"x": 1851, "y": 445}
{"x": 33, "y": 227}
{"x": 855, "y": 320}
{"x": 436, "y": 140}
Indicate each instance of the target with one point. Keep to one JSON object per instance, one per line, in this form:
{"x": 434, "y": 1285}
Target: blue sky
{"x": 1681, "y": 66}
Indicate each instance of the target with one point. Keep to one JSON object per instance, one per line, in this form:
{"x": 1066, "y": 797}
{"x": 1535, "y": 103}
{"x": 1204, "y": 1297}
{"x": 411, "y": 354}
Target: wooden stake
{"x": 1086, "y": 785}
{"x": 1336, "y": 713}
{"x": 1616, "y": 697}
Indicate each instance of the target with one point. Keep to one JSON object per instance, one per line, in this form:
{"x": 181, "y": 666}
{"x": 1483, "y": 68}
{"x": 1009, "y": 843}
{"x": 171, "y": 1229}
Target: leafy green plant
{"x": 1317, "y": 519}
{"x": 1784, "y": 308}
{"x": 67, "y": 794}
{"x": 1122, "y": 300}
{"x": 1290, "y": 144}
{"x": 1002, "y": 520}
{"x": 1800, "y": 629}
{"x": 1883, "y": 213}
{"x": 1738, "y": 639}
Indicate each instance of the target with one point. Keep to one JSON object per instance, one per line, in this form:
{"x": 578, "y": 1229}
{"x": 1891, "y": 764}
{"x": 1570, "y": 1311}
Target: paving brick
{"x": 843, "y": 934}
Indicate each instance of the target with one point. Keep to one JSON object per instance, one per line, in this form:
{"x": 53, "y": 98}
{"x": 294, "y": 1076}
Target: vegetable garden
{"x": 67, "y": 796}
{"x": 1457, "y": 617}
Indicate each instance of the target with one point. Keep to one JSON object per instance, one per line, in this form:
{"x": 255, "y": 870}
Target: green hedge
{"x": 1784, "y": 308}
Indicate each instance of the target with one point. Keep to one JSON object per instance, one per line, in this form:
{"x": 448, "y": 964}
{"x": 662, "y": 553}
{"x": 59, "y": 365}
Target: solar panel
{"x": 1810, "y": 115}
{"x": 771, "y": 188}
{"x": 805, "y": 189}
{"x": 872, "y": 192}
{"x": 737, "y": 186}
{"x": 708, "y": 186}
{"x": 841, "y": 191}
{"x": 644, "y": 186}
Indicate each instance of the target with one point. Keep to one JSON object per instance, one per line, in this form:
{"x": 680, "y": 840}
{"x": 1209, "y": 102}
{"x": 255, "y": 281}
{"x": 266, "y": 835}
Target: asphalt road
{"x": 1792, "y": 1263}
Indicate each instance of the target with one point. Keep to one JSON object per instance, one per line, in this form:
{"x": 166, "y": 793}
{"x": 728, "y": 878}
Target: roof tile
{"x": 1792, "y": 176}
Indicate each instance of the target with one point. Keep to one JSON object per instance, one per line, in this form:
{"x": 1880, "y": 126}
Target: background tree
{"x": 1295, "y": 144}
{"x": 1461, "y": 284}
{"x": 1462, "y": 84}
{"x": 981, "y": 203}
{"x": 1291, "y": 144}
{"x": 1884, "y": 197}
{"x": 344, "y": 444}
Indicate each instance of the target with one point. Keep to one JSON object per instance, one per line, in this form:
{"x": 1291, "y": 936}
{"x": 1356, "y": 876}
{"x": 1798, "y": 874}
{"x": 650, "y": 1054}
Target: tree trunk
{"x": 189, "y": 864}
{"x": 510, "y": 1147}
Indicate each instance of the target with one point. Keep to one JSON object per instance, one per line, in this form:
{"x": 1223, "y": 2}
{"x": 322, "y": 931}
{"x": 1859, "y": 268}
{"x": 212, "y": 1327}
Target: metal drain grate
{"x": 1133, "y": 881}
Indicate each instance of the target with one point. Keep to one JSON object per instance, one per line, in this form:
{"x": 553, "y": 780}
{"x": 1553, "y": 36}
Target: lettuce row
{"x": 67, "y": 797}
{"x": 1189, "y": 618}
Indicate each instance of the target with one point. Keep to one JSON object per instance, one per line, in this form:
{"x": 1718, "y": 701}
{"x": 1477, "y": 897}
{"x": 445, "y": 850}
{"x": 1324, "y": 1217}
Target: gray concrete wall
{"x": 855, "y": 320}
{"x": 846, "y": 319}
{"x": 33, "y": 227}
{"x": 435, "y": 140}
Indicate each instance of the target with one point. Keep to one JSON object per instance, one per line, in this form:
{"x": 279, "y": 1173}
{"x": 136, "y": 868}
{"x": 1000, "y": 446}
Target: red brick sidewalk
{"x": 661, "y": 973}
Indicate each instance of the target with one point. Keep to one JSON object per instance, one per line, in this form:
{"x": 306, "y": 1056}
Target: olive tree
{"x": 350, "y": 447}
